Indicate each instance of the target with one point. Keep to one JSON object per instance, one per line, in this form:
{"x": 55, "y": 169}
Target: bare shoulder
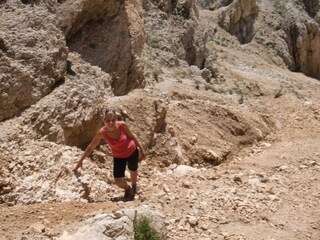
{"x": 121, "y": 123}
{"x": 100, "y": 132}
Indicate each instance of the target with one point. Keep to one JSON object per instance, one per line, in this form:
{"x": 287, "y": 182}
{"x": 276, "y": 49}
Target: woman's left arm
{"x": 133, "y": 137}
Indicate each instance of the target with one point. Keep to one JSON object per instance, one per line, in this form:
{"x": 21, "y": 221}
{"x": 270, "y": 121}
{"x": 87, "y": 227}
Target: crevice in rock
{"x": 57, "y": 84}
{"x": 244, "y": 29}
{"x": 31, "y": 2}
{"x": 312, "y": 7}
{"x": 69, "y": 68}
{"x": 292, "y": 34}
{"x": 195, "y": 47}
{"x": 3, "y": 45}
{"x": 303, "y": 44}
{"x": 107, "y": 43}
{"x": 239, "y": 19}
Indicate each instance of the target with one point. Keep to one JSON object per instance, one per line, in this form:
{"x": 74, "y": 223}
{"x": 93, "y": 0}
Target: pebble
{"x": 118, "y": 214}
{"x": 166, "y": 189}
{"x": 193, "y": 221}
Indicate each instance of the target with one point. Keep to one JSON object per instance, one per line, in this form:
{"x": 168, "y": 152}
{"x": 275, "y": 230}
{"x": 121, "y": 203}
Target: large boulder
{"x": 185, "y": 8}
{"x": 170, "y": 36}
{"x": 33, "y": 56}
{"x": 238, "y": 19}
{"x": 112, "y": 39}
{"x": 303, "y": 39}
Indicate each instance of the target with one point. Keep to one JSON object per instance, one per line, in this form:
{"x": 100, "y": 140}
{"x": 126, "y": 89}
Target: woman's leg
{"x": 134, "y": 177}
{"x": 122, "y": 183}
{"x": 133, "y": 167}
{"x": 119, "y": 167}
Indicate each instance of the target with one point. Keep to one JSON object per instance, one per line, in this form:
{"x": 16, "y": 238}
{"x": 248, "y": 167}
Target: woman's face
{"x": 110, "y": 120}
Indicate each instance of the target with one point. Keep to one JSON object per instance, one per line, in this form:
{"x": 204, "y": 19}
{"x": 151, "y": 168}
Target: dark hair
{"x": 110, "y": 110}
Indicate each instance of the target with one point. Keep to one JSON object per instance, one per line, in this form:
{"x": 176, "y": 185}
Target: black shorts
{"x": 119, "y": 164}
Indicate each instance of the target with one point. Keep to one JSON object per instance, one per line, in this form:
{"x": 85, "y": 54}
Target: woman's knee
{"x": 118, "y": 180}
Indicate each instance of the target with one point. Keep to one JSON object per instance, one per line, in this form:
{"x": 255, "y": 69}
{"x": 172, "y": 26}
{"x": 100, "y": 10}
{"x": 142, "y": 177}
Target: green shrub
{"x": 144, "y": 231}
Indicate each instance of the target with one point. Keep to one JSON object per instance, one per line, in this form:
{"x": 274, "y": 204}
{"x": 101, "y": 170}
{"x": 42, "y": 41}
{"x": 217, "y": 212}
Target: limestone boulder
{"x": 238, "y": 18}
{"x": 178, "y": 38}
{"x": 33, "y": 56}
{"x": 111, "y": 37}
{"x": 72, "y": 114}
{"x": 185, "y": 8}
{"x": 303, "y": 39}
{"x": 105, "y": 226}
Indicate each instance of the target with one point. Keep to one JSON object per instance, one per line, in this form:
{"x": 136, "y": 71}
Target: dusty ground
{"x": 288, "y": 168}
{"x": 269, "y": 190}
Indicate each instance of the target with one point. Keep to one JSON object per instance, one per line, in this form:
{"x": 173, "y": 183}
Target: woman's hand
{"x": 95, "y": 141}
{"x": 142, "y": 155}
{"x": 79, "y": 165}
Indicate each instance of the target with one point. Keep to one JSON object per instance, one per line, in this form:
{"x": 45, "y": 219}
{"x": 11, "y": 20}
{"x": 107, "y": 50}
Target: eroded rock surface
{"x": 225, "y": 125}
{"x": 33, "y": 56}
{"x": 114, "y": 42}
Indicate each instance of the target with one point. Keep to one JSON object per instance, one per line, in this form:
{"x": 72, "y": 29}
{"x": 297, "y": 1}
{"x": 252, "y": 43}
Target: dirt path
{"x": 15, "y": 221}
{"x": 271, "y": 193}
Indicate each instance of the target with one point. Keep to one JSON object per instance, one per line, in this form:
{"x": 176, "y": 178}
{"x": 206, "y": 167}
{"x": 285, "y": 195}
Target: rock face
{"x": 185, "y": 8}
{"x": 186, "y": 40}
{"x": 114, "y": 42}
{"x": 214, "y": 4}
{"x": 238, "y": 19}
{"x": 33, "y": 56}
{"x": 72, "y": 115}
{"x": 312, "y": 7}
{"x": 303, "y": 41}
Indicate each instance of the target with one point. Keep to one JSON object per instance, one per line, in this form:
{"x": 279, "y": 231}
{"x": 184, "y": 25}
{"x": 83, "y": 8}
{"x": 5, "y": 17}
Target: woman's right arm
{"x": 94, "y": 143}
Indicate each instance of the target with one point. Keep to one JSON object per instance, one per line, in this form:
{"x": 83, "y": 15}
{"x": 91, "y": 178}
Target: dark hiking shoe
{"x": 128, "y": 194}
{"x": 136, "y": 189}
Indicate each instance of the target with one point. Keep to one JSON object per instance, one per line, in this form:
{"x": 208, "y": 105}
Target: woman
{"x": 125, "y": 151}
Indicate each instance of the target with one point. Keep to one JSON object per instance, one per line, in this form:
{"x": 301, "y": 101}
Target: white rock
{"x": 37, "y": 227}
{"x": 273, "y": 197}
{"x": 283, "y": 168}
{"x": 186, "y": 184}
{"x": 192, "y": 221}
{"x": 166, "y": 189}
{"x": 118, "y": 214}
{"x": 182, "y": 170}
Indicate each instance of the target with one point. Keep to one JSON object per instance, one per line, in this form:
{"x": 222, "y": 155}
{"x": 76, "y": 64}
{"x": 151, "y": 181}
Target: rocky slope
{"x": 206, "y": 86}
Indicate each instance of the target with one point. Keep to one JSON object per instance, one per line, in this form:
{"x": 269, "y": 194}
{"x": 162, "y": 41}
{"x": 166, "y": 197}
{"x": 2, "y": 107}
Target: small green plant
{"x": 144, "y": 231}
{"x": 156, "y": 73}
{"x": 279, "y": 93}
{"x": 182, "y": 73}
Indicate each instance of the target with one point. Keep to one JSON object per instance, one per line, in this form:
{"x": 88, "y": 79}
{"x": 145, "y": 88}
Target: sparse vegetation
{"x": 152, "y": 70}
{"x": 144, "y": 231}
{"x": 279, "y": 93}
{"x": 182, "y": 73}
{"x": 156, "y": 73}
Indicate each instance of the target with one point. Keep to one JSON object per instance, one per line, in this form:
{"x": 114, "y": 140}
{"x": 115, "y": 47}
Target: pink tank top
{"x": 122, "y": 147}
